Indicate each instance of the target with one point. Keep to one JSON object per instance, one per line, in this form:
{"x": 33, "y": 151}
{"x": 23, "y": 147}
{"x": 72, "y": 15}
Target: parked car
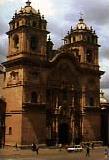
{"x": 75, "y": 148}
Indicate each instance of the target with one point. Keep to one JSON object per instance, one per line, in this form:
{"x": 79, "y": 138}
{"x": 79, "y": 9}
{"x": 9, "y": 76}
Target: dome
{"x": 27, "y": 9}
{"x": 81, "y": 25}
{"x": 102, "y": 98}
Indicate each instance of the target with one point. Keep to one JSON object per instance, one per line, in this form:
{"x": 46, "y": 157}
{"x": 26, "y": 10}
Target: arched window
{"x": 90, "y": 98}
{"x": 16, "y": 41}
{"x": 33, "y": 97}
{"x": 74, "y": 39}
{"x": 33, "y": 43}
{"x": 27, "y": 22}
{"x": 10, "y": 130}
{"x": 13, "y": 26}
{"x": 65, "y": 96}
{"x": 34, "y": 23}
{"x": 89, "y": 56}
{"x": 17, "y": 24}
{"x": 88, "y": 39}
{"x": 91, "y": 101}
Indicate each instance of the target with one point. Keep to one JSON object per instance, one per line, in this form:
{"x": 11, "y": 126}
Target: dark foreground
{"x": 51, "y": 154}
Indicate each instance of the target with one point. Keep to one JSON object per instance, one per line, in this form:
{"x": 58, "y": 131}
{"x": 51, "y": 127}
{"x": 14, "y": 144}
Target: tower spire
{"x": 28, "y": 3}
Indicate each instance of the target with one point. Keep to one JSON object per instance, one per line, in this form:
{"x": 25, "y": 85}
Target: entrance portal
{"x": 63, "y": 133}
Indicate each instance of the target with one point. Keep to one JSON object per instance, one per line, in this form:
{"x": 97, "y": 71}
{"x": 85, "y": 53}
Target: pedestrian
{"x": 35, "y": 148}
{"x": 87, "y": 151}
{"x": 16, "y": 146}
{"x": 92, "y": 145}
{"x": 3, "y": 145}
{"x": 60, "y": 147}
{"x": 106, "y": 153}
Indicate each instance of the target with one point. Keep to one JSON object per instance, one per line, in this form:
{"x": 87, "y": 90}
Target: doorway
{"x": 63, "y": 133}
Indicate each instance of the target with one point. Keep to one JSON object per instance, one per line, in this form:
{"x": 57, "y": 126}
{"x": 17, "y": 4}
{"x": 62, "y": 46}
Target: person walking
{"x": 106, "y": 153}
{"x": 92, "y": 146}
{"x": 16, "y": 146}
{"x": 87, "y": 151}
{"x": 35, "y": 148}
{"x": 60, "y": 147}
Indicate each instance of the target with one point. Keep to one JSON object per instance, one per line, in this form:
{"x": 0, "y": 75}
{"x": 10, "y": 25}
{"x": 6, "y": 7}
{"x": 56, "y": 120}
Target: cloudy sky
{"x": 61, "y": 15}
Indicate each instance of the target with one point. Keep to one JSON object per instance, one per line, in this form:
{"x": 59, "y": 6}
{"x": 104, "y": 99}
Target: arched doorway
{"x": 63, "y": 133}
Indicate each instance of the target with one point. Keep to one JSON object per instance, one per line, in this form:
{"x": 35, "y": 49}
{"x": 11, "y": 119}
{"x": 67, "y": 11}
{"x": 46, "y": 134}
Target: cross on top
{"x": 81, "y": 15}
{"x": 28, "y": 3}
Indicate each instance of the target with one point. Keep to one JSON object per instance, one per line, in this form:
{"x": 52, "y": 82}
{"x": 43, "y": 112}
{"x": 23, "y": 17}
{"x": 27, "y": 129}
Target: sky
{"x": 61, "y": 15}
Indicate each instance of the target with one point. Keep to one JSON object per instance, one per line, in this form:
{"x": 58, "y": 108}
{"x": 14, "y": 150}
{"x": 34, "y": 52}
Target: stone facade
{"x": 52, "y": 96}
{"x": 2, "y": 108}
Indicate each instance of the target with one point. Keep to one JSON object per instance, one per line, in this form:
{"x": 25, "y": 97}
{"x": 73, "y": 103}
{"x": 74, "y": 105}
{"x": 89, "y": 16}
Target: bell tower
{"x": 27, "y": 34}
{"x": 24, "y": 97}
{"x": 84, "y": 41}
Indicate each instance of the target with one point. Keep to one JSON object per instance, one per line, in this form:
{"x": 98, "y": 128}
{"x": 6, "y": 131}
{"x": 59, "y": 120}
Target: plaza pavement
{"x": 50, "y": 154}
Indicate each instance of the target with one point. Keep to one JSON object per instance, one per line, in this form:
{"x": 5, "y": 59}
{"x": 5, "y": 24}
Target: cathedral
{"x": 52, "y": 96}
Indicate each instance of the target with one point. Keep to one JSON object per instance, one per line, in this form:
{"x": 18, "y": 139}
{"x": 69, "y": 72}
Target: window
{"x": 91, "y": 98}
{"x": 10, "y": 130}
{"x": 91, "y": 101}
{"x": 74, "y": 39}
{"x": 95, "y": 40}
{"x": 80, "y": 37}
{"x": 88, "y": 39}
{"x": 27, "y": 22}
{"x": 16, "y": 41}
{"x": 65, "y": 94}
{"x": 34, "y": 24}
{"x": 33, "y": 43}
{"x": 33, "y": 97}
{"x": 89, "y": 56}
{"x": 78, "y": 57}
{"x": 17, "y": 24}
{"x": 13, "y": 26}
